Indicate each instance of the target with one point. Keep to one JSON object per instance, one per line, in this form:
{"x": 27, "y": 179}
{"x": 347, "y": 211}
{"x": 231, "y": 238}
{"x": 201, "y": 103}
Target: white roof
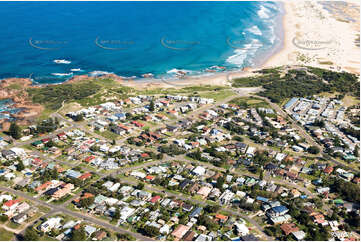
{"x": 251, "y": 150}
{"x": 199, "y": 170}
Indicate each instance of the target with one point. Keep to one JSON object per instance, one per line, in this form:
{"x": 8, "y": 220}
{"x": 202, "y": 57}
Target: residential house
{"x": 180, "y": 231}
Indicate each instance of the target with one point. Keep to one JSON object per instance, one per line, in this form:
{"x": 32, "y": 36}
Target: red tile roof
{"x": 89, "y": 158}
{"x": 155, "y": 199}
{"x": 149, "y": 177}
{"x": 11, "y": 202}
{"x": 328, "y": 170}
{"x": 221, "y": 217}
{"x": 144, "y": 155}
{"x": 85, "y": 176}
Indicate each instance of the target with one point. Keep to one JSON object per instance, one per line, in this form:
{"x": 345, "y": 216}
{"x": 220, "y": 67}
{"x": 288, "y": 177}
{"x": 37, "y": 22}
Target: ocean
{"x": 134, "y": 38}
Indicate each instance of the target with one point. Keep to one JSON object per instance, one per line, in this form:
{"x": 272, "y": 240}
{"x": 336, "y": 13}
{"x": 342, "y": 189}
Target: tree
{"x": 314, "y": 150}
{"x": 116, "y": 214}
{"x": 210, "y": 224}
{"x": 140, "y": 186}
{"x": 319, "y": 123}
{"x": 31, "y": 235}
{"x": 78, "y": 235}
{"x": 151, "y": 231}
{"x": 238, "y": 138}
{"x": 125, "y": 237}
{"x": 151, "y": 106}
{"x": 3, "y": 218}
{"x": 261, "y": 175}
{"x": 86, "y": 202}
{"x": 212, "y": 208}
{"x": 220, "y": 182}
{"x": 78, "y": 117}
{"x": 160, "y": 156}
{"x": 50, "y": 144}
{"x": 20, "y": 166}
{"x": 15, "y": 131}
{"x": 356, "y": 151}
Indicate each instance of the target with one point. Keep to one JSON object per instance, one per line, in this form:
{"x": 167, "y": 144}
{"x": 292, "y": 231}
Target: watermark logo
{"x": 311, "y": 44}
{"x": 178, "y": 44}
{"x": 235, "y": 44}
{"x": 113, "y": 44}
{"x": 238, "y": 44}
{"x": 47, "y": 44}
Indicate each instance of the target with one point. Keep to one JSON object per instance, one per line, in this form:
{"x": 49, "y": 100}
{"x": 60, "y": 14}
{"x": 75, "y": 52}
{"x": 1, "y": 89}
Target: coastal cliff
{"x": 15, "y": 89}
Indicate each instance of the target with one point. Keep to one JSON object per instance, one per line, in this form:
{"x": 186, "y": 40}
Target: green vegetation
{"x": 5, "y": 235}
{"x": 107, "y": 134}
{"x": 15, "y": 86}
{"x": 171, "y": 150}
{"x": 313, "y": 150}
{"x": 151, "y": 106}
{"x": 53, "y": 96}
{"x": 45, "y": 126}
{"x": 78, "y": 235}
{"x": 347, "y": 190}
{"x": 125, "y": 237}
{"x": 267, "y": 76}
{"x": 184, "y": 90}
{"x": 3, "y": 218}
{"x": 15, "y": 131}
{"x": 150, "y": 231}
{"x": 30, "y": 235}
{"x": 20, "y": 166}
{"x": 249, "y": 102}
{"x": 301, "y": 82}
{"x": 216, "y": 95}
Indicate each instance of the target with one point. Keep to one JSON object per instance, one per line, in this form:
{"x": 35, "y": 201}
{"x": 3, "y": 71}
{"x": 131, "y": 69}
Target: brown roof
{"x": 292, "y": 175}
{"x": 309, "y": 209}
{"x": 288, "y": 228}
{"x": 189, "y": 236}
{"x": 100, "y": 234}
{"x": 328, "y": 170}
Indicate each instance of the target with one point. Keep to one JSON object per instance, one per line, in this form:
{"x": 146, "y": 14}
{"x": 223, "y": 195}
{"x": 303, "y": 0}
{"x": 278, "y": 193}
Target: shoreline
{"x": 279, "y": 32}
{"x": 200, "y": 75}
{"x": 294, "y": 21}
{"x": 326, "y": 40}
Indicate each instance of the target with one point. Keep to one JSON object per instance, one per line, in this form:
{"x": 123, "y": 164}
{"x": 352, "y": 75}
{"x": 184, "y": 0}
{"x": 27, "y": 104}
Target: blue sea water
{"x": 133, "y": 38}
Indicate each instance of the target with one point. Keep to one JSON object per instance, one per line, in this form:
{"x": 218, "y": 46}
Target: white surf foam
{"x": 254, "y": 30}
{"x": 248, "y": 51}
{"x": 99, "y": 73}
{"x": 263, "y": 12}
{"x": 177, "y": 71}
{"x": 62, "y": 74}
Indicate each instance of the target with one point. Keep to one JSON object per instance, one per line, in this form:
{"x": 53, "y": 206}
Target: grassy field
{"x": 107, "y": 134}
{"x": 184, "y": 90}
{"x": 217, "y": 95}
{"x": 12, "y": 225}
{"x": 5, "y": 235}
{"x": 350, "y": 101}
{"x": 46, "y": 238}
{"x": 250, "y": 102}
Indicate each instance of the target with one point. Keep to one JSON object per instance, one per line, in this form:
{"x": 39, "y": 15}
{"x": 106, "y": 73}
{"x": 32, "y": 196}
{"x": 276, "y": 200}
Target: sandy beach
{"x": 315, "y": 37}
